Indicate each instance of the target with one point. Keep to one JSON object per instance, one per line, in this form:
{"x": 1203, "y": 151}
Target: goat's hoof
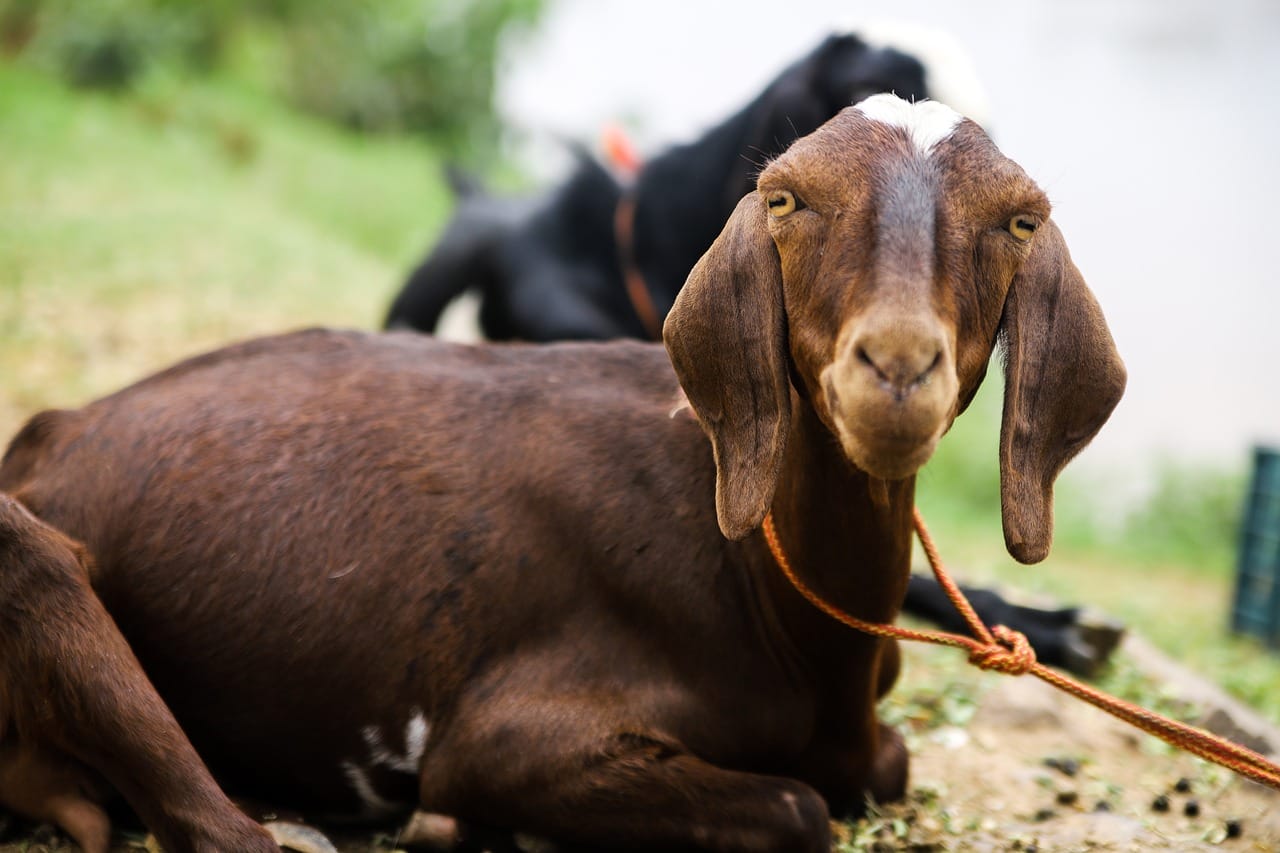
{"x": 889, "y": 769}
{"x": 1090, "y": 642}
{"x": 295, "y": 836}
{"x": 430, "y": 830}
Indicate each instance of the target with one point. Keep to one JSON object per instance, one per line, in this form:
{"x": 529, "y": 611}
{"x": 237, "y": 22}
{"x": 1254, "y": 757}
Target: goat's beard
{"x": 889, "y": 460}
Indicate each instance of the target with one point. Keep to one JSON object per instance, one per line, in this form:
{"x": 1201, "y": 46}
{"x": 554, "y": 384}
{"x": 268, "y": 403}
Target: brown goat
{"x": 516, "y": 585}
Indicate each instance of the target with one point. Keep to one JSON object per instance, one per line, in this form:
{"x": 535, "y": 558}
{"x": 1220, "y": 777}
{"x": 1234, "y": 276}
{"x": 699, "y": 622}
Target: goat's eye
{"x": 1022, "y": 227}
{"x": 781, "y": 202}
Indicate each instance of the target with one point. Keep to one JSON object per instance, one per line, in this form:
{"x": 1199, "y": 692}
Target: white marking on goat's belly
{"x": 926, "y": 122}
{"x": 373, "y": 802}
{"x": 383, "y": 757}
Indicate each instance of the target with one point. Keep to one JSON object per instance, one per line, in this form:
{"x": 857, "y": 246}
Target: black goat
{"x": 555, "y": 271}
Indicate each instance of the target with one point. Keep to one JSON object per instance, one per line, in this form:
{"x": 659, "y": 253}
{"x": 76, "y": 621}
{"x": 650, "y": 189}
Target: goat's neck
{"x": 847, "y": 536}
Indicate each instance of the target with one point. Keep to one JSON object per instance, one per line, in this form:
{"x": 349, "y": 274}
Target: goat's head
{"x": 875, "y": 266}
{"x": 842, "y": 70}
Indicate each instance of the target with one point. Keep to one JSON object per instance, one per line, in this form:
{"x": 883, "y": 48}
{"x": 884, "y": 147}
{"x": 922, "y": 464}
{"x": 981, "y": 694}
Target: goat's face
{"x": 894, "y": 271}
{"x": 876, "y": 265}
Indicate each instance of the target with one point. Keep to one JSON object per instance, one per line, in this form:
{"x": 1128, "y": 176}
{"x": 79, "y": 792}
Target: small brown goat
{"x": 515, "y": 584}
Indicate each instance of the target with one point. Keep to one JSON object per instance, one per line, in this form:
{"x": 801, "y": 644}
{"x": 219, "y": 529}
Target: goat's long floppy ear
{"x": 726, "y": 335}
{"x": 1063, "y": 377}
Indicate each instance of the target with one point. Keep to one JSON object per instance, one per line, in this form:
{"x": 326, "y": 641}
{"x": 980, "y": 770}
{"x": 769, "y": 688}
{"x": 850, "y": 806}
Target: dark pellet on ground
{"x": 1160, "y": 804}
{"x": 1066, "y": 766}
{"x": 1191, "y": 809}
{"x": 1044, "y": 814}
{"x": 1234, "y": 829}
{"x": 1102, "y": 806}
{"x": 1183, "y": 786}
{"x": 1067, "y": 798}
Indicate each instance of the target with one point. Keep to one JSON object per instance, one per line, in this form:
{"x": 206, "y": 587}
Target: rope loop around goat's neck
{"x": 1004, "y": 650}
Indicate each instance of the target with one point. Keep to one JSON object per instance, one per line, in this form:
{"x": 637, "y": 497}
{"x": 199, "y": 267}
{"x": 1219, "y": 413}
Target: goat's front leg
{"x": 558, "y": 774}
{"x": 73, "y": 696}
{"x": 853, "y": 755}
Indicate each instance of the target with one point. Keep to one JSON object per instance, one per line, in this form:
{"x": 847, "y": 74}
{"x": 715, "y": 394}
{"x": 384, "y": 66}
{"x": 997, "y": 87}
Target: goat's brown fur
{"x": 311, "y": 539}
{"x": 78, "y": 715}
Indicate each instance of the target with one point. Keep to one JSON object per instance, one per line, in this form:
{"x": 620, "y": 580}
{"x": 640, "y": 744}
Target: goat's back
{"x": 363, "y": 500}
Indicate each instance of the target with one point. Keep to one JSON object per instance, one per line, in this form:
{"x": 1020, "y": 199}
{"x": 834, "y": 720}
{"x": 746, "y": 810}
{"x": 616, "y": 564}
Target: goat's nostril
{"x": 864, "y": 357}
{"x": 928, "y": 371}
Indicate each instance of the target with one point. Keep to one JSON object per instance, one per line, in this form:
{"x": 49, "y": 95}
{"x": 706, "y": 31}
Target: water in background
{"x": 1154, "y": 125}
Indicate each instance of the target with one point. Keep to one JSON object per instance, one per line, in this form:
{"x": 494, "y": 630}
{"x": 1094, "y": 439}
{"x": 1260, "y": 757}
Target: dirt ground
{"x": 1038, "y": 770}
{"x": 1007, "y": 764}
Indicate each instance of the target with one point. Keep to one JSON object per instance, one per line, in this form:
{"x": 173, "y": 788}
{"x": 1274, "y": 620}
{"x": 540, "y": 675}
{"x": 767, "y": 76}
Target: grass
{"x": 134, "y": 231}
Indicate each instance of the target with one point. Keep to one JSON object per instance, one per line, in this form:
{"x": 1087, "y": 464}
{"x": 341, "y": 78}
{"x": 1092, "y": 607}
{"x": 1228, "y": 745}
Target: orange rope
{"x": 1005, "y": 650}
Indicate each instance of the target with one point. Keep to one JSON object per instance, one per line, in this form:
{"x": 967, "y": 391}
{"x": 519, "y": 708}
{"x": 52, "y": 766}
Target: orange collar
{"x": 624, "y": 220}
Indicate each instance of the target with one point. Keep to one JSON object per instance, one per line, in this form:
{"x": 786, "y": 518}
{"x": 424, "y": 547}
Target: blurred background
{"x": 176, "y": 174}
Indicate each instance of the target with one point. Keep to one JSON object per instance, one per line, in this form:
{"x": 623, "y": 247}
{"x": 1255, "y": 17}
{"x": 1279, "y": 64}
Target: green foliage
{"x": 1191, "y": 515}
{"x": 425, "y": 66}
{"x": 111, "y": 44}
{"x": 402, "y": 64}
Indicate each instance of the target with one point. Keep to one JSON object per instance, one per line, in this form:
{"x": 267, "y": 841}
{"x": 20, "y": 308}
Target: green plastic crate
{"x": 1256, "y": 610}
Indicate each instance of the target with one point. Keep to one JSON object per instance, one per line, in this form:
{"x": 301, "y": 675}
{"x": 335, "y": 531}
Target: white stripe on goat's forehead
{"x": 927, "y": 122}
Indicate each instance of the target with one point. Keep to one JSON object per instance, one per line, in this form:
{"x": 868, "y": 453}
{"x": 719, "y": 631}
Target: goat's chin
{"x": 888, "y": 457}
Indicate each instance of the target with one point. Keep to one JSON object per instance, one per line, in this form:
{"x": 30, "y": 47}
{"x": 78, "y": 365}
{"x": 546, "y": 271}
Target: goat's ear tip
{"x": 735, "y": 529}
{"x": 1027, "y": 553}
{"x": 738, "y": 518}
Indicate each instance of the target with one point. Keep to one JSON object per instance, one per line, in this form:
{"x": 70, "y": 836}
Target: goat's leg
{"x": 643, "y": 799}
{"x": 625, "y": 791}
{"x": 71, "y": 686}
{"x": 853, "y": 755}
{"x": 850, "y": 761}
{"x": 47, "y": 787}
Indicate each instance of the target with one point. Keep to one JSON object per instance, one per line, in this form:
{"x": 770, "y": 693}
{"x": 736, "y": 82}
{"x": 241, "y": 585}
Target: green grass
{"x": 134, "y": 231}
{"x": 137, "y": 230}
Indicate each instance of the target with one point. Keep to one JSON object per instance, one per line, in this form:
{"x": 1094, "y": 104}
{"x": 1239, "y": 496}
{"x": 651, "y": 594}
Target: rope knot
{"x": 1011, "y": 653}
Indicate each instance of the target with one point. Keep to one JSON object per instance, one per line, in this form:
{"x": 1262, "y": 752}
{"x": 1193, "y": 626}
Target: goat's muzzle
{"x": 891, "y": 391}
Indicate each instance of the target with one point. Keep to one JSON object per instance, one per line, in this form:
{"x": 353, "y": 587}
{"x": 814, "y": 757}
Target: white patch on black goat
{"x": 460, "y": 320}
{"x": 927, "y": 123}
{"x": 950, "y": 76}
